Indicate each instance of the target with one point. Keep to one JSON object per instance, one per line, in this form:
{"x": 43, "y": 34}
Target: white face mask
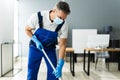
{"x": 57, "y": 20}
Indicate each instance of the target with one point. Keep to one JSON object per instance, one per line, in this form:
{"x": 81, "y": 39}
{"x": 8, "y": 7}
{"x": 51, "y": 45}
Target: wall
{"x": 85, "y": 14}
{"x": 94, "y": 14}
{"x": 6, "y": 22}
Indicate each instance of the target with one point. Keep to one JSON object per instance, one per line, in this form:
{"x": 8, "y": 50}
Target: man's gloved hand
{"x": 37, "y": 42}
{"x": 58, "y": 70}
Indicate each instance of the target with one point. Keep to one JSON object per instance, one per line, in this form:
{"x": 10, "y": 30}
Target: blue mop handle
{"x": 50, "y": 61}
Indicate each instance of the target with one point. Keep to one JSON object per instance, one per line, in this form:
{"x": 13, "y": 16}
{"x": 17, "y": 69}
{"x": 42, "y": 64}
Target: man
{"x": 43, "y": 28}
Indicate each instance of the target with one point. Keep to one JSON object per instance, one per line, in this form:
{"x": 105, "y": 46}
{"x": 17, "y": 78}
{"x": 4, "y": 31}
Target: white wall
{"x": 0, "y": 62}
{"x": 6, "y": 22}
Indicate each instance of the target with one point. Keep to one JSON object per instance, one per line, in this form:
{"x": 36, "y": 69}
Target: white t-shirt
{"x": 47, "y": 24}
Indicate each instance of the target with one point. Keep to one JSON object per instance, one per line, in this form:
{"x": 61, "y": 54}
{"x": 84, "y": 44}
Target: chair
{"x": 102, "y": 55}
{"x": 99, "y": 41}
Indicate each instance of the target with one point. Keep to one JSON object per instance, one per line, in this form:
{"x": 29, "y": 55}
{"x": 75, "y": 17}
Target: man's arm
{"x": 28, "y": 31}
{"x": 62, "y": 47}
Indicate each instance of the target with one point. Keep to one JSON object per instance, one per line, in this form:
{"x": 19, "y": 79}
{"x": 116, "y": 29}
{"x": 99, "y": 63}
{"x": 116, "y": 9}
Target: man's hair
{"x": 64, "y": 7}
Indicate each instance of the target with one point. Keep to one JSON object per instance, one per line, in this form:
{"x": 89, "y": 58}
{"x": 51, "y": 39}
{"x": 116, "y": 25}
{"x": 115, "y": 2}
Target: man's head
{"x": 61, "y": 10}
{"x": 63, "y": 6}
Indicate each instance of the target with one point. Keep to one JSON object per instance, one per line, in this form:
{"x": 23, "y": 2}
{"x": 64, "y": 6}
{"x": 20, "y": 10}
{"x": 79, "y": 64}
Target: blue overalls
{"x": 48, "y": 40}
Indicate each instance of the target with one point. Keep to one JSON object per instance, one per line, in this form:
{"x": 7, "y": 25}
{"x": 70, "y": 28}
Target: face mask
{"x": 57, "y": 20}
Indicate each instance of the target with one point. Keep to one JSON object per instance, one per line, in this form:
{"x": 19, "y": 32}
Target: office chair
{"x": 102, "y": 55}
{"x": 99, "y": 41}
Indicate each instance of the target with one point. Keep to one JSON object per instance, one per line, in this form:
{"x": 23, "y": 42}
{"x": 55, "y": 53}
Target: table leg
{"x": 84, "y": 60}
{"x": 88, "y": 63}
{"x": 72, "y": 63}
{"x": 84, "y": 63}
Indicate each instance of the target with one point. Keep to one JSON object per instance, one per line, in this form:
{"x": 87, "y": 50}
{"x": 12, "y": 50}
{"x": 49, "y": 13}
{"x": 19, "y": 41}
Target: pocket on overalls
{"x": 47, "y": 40}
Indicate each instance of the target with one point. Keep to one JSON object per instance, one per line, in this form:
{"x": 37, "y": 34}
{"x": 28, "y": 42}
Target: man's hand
{"x": 58, "y": 70}
{"x": 37, "y": 42}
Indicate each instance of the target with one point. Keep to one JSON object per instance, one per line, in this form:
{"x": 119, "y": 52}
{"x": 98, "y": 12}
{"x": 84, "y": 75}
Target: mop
{"x": 49, "y": 61}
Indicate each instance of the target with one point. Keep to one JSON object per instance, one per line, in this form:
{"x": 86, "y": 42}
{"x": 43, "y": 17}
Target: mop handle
{"x": 49, "y": 61}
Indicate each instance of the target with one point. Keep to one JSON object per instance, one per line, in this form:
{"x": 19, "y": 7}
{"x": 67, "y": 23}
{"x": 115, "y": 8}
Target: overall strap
{"x": 59, "y": 27}
{"x": 40, "y": 18}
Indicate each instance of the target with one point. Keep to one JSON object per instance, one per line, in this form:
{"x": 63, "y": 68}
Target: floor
{"x": 101, "y": 73}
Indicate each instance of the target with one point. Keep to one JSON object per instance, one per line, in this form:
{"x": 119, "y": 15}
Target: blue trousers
{"x": 34, "y": 61}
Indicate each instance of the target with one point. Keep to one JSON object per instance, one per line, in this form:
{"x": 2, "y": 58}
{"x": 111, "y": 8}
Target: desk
{"x": 93, "y": 49}
{"x": 71, "y": 52}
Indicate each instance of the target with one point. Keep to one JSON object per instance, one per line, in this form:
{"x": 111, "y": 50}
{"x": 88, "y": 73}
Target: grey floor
{"x": 101, "y": 73}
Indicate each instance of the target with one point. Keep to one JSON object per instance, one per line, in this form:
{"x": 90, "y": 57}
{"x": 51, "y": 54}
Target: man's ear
{"x": 54, "y": 10}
